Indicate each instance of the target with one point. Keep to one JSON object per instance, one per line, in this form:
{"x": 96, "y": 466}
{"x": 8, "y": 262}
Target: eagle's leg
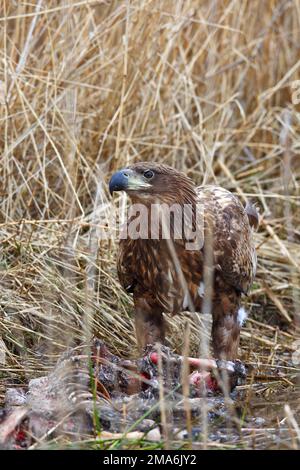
{"x": 226, "y": 326}
{"x": 149, "y": 322}
{"x": 225, "y": 337}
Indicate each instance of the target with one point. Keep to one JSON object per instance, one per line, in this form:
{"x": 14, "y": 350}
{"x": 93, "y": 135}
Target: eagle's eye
{"x": 148, "y": 174}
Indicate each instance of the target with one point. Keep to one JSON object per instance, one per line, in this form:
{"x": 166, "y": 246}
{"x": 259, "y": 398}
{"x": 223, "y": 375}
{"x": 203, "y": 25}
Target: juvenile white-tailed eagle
{"x": 165, "y": 276}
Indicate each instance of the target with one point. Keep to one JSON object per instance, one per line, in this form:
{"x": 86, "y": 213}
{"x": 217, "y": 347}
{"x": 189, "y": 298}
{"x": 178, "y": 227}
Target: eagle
{"x": 169, "y": 274}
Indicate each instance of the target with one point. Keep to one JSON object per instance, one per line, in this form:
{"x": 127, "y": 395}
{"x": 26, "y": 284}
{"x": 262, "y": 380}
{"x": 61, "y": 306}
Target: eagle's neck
{"x": 187, "y": 194}
{"x": 181, "y": 198}
{"x": 180, "y": 191}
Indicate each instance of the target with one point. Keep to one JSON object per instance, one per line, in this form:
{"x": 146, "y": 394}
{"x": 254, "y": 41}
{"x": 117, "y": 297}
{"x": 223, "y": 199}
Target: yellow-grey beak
{"x": 127, "y": 180}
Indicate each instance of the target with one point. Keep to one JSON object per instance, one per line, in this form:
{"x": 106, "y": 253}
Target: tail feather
{"x": 252, "y": 214}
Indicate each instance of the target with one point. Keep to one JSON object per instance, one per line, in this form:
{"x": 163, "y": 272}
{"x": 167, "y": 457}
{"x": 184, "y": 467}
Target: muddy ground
{"x": 96, "y": 399}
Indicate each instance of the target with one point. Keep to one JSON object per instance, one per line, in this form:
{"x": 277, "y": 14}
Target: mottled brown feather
{"x": 149, "y": 270}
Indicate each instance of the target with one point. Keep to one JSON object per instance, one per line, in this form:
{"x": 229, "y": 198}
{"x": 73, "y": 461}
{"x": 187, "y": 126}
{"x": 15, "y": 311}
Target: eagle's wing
{"x": 234, "y": 251}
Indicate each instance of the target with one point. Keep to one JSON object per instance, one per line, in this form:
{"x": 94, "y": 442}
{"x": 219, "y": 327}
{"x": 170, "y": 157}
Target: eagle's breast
{"x": 172, "y": 274}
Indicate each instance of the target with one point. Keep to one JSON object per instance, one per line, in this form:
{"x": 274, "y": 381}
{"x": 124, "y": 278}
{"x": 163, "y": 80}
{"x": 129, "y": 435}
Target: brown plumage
{"x": 165, "y": 276}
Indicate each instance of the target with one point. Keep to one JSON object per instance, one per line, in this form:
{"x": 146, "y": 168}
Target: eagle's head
{"x": 153, "y": 182}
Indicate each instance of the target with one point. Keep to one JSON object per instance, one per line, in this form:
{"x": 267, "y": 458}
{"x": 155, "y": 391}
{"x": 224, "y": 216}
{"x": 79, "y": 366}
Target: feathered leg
{"x": 226, "y": 325}
{"x": 149, "y": 322}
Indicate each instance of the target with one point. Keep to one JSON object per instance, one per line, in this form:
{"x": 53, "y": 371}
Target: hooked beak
{"x": 127, "y": 180}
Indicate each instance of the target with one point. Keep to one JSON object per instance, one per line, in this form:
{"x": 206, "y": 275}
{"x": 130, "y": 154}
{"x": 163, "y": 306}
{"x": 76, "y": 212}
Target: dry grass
{"x": 89, "y": 86}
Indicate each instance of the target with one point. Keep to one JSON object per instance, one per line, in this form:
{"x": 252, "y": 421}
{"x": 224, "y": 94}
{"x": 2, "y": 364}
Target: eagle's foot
{"x": 229, "y": 374}
{"x": 192, "y": 362}
{"x": 222, "y": 378}
{"x": 208, "y": 375}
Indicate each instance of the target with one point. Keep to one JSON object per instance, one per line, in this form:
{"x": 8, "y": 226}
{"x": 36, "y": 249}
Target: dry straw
{"x": 88, "y": 86}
